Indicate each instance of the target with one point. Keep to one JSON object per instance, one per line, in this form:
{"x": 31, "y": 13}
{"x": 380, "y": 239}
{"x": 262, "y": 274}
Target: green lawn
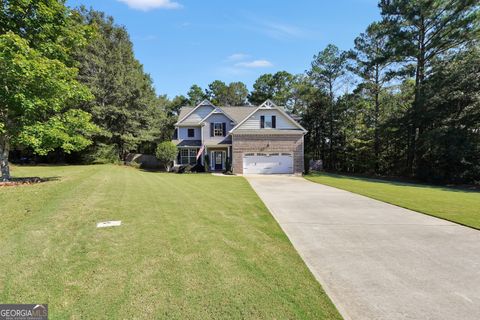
{"x": 190, "y": 246}
{"x": 456, "y": 205}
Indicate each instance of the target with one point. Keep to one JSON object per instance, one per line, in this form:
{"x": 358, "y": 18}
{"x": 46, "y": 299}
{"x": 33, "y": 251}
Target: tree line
{"x": 403, "y": 101}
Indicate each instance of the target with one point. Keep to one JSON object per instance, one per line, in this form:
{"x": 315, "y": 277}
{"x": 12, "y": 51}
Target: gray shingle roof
{"x": 183, "y": 112}
{"x": 187, "y": 143}
{"x": 238, "y": 113}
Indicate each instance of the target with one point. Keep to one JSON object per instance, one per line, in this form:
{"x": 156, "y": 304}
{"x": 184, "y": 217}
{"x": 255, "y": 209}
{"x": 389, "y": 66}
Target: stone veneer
{"x": 267, "y": 143}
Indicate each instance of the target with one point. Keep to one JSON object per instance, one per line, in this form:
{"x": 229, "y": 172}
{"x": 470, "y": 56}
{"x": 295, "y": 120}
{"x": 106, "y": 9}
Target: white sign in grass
{"x": 107, "y": 224}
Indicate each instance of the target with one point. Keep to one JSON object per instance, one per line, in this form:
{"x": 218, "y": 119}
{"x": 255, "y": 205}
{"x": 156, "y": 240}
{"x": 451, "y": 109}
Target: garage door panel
{"x": 262, "y": 163}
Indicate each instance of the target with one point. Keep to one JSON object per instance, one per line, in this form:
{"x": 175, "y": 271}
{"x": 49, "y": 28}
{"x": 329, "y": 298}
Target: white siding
{"x": 216, "y": 117}
{"x": 183, "y": 133}
{"x": 253, "y": 123}
{"x": 198, "y": 114}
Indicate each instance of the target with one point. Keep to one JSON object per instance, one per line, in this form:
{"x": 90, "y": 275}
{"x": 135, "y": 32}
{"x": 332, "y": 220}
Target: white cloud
{"x": 280, "y": 30}
{"x": 238, "y": 57}
{"x": 276, "y": 29}
{"x": 254, "y": 64}
{"x": 146, "y": 5}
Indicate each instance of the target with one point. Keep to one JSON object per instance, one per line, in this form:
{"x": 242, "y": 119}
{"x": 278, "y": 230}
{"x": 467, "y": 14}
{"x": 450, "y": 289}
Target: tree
{"x": 234, "y": 94}
{"x": 171, "y": 110}
{"x": 263, "y": 89}
{"x": 419, "y": 32}
{"x": 173, "y": 106}
{"x": 451, "y": 140}
{"x": 277, "y": 87}
{"x": 237, "y": 94}
{"x": 38, "y": 86}
{"x": 327, "y": 72}
{"x": 48, "y": 26}
{"x": 314, "y": 120}
{"x": 125, "y": 105}
{"x": 217, "y": 92}
{"x": 373, "y": 67}
{"x": 166, "y": 153}
{"x": 196, "y": 95}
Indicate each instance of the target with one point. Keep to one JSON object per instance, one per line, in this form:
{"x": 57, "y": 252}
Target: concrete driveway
{"x": 375, "y": 260}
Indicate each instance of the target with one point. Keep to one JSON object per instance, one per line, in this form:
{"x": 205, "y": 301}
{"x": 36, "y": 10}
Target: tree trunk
{"x": 330, "y": 144}
{"x": 4, "y": 150}
{"x": 416, "y": 127}
{"x": 377, "y": 112}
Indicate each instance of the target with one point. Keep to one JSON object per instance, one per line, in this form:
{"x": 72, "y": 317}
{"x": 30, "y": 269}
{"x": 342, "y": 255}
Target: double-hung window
{"x": 217, "y": 129}
{"x": 188, "y": 156}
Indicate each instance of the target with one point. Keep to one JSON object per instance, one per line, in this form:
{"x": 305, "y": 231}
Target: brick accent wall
{"x": 264, "y": 143}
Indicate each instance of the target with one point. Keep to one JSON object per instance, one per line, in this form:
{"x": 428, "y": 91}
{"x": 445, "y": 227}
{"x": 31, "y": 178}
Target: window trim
{"x": 215, "y": 129}
{"x": 191, "y": 156}
{"x": 193, "y": 132}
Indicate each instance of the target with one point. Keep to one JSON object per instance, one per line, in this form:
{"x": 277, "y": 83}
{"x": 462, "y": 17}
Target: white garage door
{"x": 267, "y": 163}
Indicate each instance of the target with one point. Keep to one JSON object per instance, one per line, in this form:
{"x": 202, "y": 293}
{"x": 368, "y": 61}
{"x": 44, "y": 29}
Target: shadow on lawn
{"x": 27, "y": 181}
{"x": 399, "y": 183}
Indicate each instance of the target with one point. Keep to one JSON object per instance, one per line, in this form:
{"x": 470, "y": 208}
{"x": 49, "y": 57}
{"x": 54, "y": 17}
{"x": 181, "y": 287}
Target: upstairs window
{"x": 268, "y": 122}
{"x": 191, "y": 133}
{"x": 217, "y": 129}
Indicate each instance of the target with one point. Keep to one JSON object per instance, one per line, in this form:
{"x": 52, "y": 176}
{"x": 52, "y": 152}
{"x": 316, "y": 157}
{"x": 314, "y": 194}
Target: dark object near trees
{"x": 197, "y": 168}
{"x": 228, "y": 166}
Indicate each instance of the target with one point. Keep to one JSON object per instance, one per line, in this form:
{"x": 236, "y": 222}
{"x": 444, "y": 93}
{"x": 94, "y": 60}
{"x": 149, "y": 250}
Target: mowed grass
{"x": 190, "y": 247}
{"x": 457, "y": 205}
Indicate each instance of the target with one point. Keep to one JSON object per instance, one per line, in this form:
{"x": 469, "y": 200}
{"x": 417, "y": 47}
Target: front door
{"x": 218, "y": 160}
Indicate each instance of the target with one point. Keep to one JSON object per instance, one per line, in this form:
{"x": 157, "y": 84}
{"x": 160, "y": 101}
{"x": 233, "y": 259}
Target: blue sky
{"x": 183, "y": 42}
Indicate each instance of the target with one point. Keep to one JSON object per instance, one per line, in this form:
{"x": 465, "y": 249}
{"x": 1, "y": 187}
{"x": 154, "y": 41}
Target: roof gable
{"x": 238, "y": 115}
{"x": 205, "y": 104}
{"x": 269, "y": 105}
{"x": 217, "y": 111}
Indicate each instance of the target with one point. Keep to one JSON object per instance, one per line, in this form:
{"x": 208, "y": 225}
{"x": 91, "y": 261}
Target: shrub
{"x": 102, "y": 154}
{"x": 228, "y": 166}
{"x": 166, "y": 153}
{"x": 207, "y": 163}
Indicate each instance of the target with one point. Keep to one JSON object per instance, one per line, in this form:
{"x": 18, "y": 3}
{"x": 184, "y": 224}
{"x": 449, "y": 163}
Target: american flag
{"x": 200, "y": 151}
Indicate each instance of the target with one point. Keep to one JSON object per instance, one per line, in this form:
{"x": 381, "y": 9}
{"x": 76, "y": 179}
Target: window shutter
{"x": 262, "y": 122}
{"x": 224, "y": 128}
{"x": 274, "y": 121}
{"x": 211, "y": 129}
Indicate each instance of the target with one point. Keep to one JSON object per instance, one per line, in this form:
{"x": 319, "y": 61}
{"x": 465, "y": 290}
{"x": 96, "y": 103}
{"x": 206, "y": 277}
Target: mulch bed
{"x": 21, "y": 181}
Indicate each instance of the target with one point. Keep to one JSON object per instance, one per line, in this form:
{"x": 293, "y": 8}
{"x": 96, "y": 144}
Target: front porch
{"x": 213, "y": 158}
{"x": 217, "y": 159}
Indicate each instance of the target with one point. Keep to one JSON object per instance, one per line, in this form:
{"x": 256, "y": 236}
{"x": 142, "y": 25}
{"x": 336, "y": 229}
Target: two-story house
{"x": 253, "y": 139}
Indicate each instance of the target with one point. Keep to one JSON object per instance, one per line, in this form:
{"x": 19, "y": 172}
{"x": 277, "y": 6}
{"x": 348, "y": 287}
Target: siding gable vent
{"x": 268, "y": 104}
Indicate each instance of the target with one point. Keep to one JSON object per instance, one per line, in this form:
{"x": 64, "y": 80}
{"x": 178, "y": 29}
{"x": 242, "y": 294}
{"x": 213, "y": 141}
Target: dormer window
{"x": 268, "y": 122}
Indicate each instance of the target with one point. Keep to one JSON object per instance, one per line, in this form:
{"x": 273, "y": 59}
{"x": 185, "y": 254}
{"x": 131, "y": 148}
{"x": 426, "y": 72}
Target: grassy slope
{"x": 447, "y": 203}
{"x": 191, "y": 246}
